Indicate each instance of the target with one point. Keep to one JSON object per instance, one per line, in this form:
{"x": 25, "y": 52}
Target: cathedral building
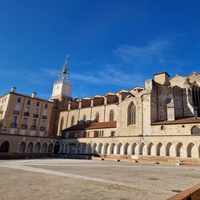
{"x": 161, "y": 120}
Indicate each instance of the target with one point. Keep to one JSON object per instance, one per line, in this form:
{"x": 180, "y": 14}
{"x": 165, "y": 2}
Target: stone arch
{"x": 57, "y": 147}
{"x": 30, "y": 147}
{"x": 37, "y": 147}
{"x": 158, "y": 149}
{"x": 44, "y": 148}
{"x": 94, "y": 146}
{"x": 50, "y": 148}
{"x": 22, "y": 147}
{"x": 112, "y": 148}
{"x": 190, "y": 150}
{"x": 141, "y": 148}
{"x": 97, "y": 116}
{"x": 179, "y": 150}
{"x": 89, "y": 148}
{"x": 99, "y": 148}
{"x": 168, "y": 149}
{"x": 4, "y": 146}
{"x": 105, "y": 148}
{"x": 150, "y": 151}
{"x": 111, "y": 115}
{"x": 134, "y": 148}
{"x": 119, "y": 148}
{"x": 126, "y": 147}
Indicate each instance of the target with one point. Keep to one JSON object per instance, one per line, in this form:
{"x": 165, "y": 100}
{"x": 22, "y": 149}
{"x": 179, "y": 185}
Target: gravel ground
{"x": 48, "y": 179}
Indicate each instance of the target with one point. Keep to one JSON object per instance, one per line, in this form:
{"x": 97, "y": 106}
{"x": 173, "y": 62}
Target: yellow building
{"x": 24, "y": 115}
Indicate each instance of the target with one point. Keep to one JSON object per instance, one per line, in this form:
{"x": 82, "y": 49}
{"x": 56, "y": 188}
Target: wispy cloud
{"x": 160, "y": 51}
{"x": 109, "y": 75}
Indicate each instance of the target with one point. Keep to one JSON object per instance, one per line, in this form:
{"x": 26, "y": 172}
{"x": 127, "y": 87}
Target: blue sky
{"x": 111, "y": 44}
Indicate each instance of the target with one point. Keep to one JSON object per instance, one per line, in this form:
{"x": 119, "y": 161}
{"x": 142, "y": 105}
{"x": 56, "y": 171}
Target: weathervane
{"x": 64, "y": 75}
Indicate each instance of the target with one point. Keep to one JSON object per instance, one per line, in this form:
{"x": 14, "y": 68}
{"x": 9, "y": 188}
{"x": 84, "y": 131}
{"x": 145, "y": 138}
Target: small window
{"x": 19, "y": 99}
{"x": 38, "y": 103}
{"x": 162, "y": 128}
{"x": 46, "y": 105}
{"x": 34, "y": 122}
{"x": 97, "y": 117}
{"x": 14, "y": 121}
{"x": 84, "y": 118}
{"x": 111, "y": 116}
{"x": 28, "y": 102}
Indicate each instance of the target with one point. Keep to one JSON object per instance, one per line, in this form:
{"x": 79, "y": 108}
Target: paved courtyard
{"x": 89, "y": 179}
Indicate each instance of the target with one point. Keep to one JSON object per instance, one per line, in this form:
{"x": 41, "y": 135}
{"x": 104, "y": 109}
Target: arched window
{"x": 72, "y": 120}
{"x": 84, "y": 118}
{"x": 97, "y": 117}
{"x": 111, "y": 117}
{"x": 61, "y": 124}
{"x": 131, "y": 118}
{"x": 195, "y": 130}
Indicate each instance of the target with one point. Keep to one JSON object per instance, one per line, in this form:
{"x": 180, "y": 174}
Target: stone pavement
{"x": 88, "y": 179}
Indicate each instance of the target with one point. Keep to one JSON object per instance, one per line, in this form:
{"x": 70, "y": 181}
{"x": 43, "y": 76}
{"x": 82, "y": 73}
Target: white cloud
{"x": 110, "y": 75}
{"x": 153, "y": 51}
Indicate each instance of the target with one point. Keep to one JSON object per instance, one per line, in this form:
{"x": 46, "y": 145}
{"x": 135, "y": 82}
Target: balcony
{"x": 13, "y": 125}
{"x": 26, "y": 113}
{"x": 24, "y": 126}
{"x": 44, "y": 116}
{"x": 16, "y": 112}
{"x": 33, "y": 127}
{"x": 35, "y": 115}
{"x": 42, "y": 128}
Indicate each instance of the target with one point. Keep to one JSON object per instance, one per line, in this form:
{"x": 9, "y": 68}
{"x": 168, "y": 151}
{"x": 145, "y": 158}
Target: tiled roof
{"x": 186, "y": 120}
{"x": 96, "y": 125}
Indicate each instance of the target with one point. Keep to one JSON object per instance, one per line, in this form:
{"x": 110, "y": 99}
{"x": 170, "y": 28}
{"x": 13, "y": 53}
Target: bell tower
{"x": 62, "y": 87}
{"x": 61, "y": 95}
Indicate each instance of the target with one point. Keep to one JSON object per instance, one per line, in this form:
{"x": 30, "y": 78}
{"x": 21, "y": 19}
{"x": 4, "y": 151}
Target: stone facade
{"x": 161, "y": 119}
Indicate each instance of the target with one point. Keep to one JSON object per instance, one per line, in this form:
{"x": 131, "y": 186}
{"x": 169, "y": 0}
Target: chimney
{"x": 13, "y": 89}
{"x": 33, "y": 95}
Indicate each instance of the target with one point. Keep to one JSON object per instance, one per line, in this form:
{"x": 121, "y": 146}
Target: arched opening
{"x": 133, "y": 148}
{"x": 149, "y": 148}
{"x": 99, "y": 150}
{"x": 89, "y": 148}
{"x": 119, "y": 148}
{"x": 195, "y": 130}
{"x": 84, "y": 147}
{"x": 158, "y": 148}
{"x": 189, "y": 150}
{"x": 105, "y": 150}
{"x": 112, "y": 146}
{"x": 50, "y": 148}
{"x": 168, "y": 149}
{"x": 179, "y": 147}
{"x": 44, "y": 148}
{"x": 37, "y": 148}
{"x": 94, "y": 146}
{"x": 72, "y": 120}
{"x": 22, "y": 147}
{"x": 126, "y": 145}
{"x": 141, "y": 149}
{"x": 4, "y": 147}
{"x": 56, "y": 148}
{"x": 30, "y": 148}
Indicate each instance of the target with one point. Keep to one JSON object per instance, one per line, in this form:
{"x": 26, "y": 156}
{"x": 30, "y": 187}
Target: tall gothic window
{"x": 196, "y": 98}
{"x": 97, "y": 117}
{"x": 111, "y": 117}
{"x": 72, "y": 121}
{"x": 131, "y": 118}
